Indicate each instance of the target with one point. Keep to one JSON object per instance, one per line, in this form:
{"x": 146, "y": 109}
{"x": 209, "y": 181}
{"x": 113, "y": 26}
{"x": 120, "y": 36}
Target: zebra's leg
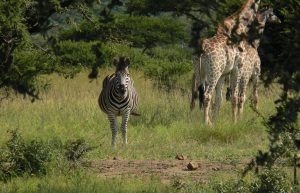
{"x": 218, "y": 98}
{"x": 125, "y": 119}
{"x": 113, "y": 126}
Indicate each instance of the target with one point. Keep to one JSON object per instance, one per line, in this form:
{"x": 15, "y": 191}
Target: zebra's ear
{"x": 116, "y": 61}
{"x": 126, "y": 61}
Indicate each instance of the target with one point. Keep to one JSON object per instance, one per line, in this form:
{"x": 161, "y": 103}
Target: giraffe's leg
{"x": 234, "y": 93}
{"x": 113, "y": 125}
{"x": 228, "y": 90}
{"x": 194, "y": 93}
{"x": 242, "y": 96}
{"x": 201, "y": 90}
{"x": 207, "y": 100}
{"x": 124, "y": 126}
{"x": 218, "y": 98}
{"x": 255, "y": 92}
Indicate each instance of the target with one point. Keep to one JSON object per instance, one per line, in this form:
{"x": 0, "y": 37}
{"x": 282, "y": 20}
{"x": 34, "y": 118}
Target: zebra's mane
{"x": 121, "y": 63}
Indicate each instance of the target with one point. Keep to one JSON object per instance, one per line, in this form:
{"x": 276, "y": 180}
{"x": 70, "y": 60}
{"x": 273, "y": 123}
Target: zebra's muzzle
{"x": 122, "y": 89}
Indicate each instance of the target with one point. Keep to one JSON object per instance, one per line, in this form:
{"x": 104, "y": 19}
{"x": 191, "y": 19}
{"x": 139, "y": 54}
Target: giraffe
{"x": 249, "y": 63}
{"x": 219, "y": 55}
{"x": 236, "y": 26}
{"x": 197, "y": 88}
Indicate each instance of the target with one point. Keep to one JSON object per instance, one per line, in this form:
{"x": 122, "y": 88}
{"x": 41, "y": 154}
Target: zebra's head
{"x": 122, "y": 74}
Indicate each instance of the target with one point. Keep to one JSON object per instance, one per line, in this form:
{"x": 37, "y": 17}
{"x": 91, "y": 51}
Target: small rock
{"x": 180, "y": 157}
{"x": 116, "y": 158}
{"x": 192, "y": 166}
{"x": 216, "y": 168}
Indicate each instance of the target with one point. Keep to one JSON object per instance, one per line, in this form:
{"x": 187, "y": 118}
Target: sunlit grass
{"x": 80, "y": 182}
{"x": 69, "y": 110}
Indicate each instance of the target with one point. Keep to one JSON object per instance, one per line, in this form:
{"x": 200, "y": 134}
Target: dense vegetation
{"x": 39, "y": 38}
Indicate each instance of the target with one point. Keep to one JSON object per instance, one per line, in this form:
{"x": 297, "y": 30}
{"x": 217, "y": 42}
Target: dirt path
{"x": 165, "y": 169}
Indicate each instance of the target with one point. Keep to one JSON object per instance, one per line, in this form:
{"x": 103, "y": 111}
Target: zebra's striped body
{"x": 119, "y": 98}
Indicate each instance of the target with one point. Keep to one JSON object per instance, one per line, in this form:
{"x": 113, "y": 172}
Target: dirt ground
{"x": 165, "y": 169}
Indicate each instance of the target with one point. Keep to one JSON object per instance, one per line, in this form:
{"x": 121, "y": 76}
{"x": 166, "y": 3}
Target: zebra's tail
{"x": 135, "y": 114}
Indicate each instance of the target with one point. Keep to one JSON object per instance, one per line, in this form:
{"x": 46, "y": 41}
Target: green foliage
{"x": 280, "y": 52}
{"x": 166, "y": 73}
{"x": 168, "y": 65}
{"x": 281, "y": 46}
{"x": 270, "y": 181}
{"x": 28, "y": 66}
{"x": 232, "y": 186}
{"x": 19, "y": 157}
{"x": 79, "y": 53}
{"x": 205, "y": 15}
{"x": 19, "y": 57}
{"x": 138, "y": 31}
{"x": 75, "y": 150}
{"x": 137, "y": 58}
{"x": 148, "y": 32}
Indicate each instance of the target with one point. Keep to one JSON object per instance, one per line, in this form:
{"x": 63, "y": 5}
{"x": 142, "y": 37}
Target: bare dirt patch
{"x": 165, "y": 169}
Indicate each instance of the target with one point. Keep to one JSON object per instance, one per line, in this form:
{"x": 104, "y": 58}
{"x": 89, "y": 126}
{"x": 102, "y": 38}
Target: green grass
{"x": 69, "y": 110}
{"x": 81, "y": 182}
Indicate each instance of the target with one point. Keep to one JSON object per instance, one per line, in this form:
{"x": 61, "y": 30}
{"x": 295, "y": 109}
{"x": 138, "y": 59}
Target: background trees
{"x": 21, "y": 59}
{"x": 39, "y": 37}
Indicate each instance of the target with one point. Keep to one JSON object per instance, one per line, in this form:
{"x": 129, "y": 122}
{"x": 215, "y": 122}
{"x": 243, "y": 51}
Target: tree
{"x": 21, "y": 62}
{"x": 205, "y": 15}
{"x": 279, "y": 51}
{"x": 281, "y": 62}
{"x": 138, "y": 31}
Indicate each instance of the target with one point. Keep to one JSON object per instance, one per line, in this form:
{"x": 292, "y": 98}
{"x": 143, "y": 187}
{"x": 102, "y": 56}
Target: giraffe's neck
{"x": 261, "y": 20}
{"x": 239, "y": 22}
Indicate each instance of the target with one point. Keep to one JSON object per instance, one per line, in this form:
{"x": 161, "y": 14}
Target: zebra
{"x": 119, "y": 97}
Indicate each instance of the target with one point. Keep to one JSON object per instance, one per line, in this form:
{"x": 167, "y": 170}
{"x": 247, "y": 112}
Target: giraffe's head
{"x": 247, "y": 16}
{"x": 267, "y": 15}
{"x": 122, "y": 74}
{"x": 263, "y": 16}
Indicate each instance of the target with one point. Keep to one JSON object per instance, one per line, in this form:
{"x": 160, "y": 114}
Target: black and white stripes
{"x": 118, "y": 97}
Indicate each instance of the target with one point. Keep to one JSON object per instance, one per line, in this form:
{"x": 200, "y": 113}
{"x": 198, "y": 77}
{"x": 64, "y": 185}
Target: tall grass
{"x": 69, "y": 110}
{"x": 81, "y": 182}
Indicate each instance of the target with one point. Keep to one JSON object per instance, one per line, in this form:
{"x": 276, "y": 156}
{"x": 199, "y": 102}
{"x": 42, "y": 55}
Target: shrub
{"x": 80, "y": 53}
{"x": 168, "y": 64}
{"x": 19, "y": 157}
{"x": 166, "y": 73}
{"x": 271, "y": 180}
{"x": 75, "y": 150}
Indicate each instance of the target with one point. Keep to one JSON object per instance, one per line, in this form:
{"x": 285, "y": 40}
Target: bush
{"x": 80, "y": 53}
{"x": 168, "y": 64}
{"x": 148, "y": 32}
{"x": 75, "y": 150}
{"x": 137, "y": 58}
{"x": 19, "y": 157}
{"x": 166, "y": 73}
{"x": 270, "y": 181}
{"x": 171, "y": 53}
